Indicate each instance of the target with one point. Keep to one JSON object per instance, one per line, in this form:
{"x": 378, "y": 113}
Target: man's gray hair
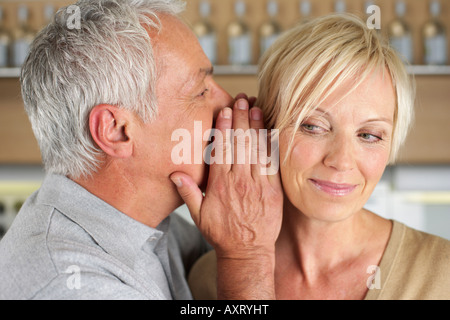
{"x": 104, "y": 58}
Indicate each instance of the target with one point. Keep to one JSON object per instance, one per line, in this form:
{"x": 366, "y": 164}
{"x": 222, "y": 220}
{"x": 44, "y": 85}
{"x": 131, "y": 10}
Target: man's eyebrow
{"x": 195, "y": 78}
{"x": 207, "y": 71}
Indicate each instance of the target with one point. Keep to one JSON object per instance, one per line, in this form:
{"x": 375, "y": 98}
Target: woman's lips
{"x": 334, "y": 189}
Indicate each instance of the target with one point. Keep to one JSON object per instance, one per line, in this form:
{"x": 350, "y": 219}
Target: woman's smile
{"x": 333, "y": 189}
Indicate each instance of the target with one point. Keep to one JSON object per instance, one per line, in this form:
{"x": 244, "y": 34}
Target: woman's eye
{"x": 312, "y": 128}
{"x": 309, "y": 127}
{"x": 370, "y": 137}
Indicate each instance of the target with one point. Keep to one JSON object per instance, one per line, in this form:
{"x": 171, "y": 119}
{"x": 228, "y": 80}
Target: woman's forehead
{"x": 375, "y": 93}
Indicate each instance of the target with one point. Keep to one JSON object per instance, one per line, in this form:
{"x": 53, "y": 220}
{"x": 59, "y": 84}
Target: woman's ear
{"x": 108, "y": 126}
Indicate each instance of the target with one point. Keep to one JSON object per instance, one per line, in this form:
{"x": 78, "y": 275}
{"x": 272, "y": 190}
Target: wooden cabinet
{"x": 429, "y": 140}
{"x": 17, "y": 142}
{"x": 428, "y": 143}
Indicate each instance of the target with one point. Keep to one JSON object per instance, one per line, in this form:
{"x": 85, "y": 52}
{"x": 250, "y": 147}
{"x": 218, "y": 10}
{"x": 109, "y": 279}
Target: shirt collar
{"x": 114, "y": 231}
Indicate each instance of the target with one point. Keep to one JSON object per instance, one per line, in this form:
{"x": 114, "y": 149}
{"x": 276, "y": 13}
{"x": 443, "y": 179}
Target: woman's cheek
{"x": 304, "y": 156}
{"x": 372, "y": 163}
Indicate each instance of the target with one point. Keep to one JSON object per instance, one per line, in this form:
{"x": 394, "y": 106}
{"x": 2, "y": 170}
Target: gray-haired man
{"x": 104, "y": 97}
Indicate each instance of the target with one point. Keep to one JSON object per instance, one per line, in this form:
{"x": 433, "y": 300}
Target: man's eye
{"x": 203, "y": 93}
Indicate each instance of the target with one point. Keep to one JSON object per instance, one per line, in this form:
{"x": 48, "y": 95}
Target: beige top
{"x": 414, "y": 266}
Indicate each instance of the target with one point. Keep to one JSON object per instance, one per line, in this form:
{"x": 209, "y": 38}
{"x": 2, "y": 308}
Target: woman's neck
{"x": 318, "y": 248}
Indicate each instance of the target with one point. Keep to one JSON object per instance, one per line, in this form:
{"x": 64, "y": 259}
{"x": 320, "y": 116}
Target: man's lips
{"x": 334, "y": 189}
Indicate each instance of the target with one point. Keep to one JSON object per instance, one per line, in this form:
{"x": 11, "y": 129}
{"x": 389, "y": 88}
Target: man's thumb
{"x": 189, "y": 192}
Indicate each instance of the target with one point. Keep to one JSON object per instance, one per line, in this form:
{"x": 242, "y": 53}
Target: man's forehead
{"x": 179, "y": 55}
{"x": 175, "y": 40}
{"x": 172, "y": 31}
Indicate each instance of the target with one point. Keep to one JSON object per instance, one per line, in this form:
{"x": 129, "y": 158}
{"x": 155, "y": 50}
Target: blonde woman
{"x": 343, "y": 103}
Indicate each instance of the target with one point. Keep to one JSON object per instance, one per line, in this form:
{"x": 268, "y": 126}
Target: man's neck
{"x": 144, "y": 199}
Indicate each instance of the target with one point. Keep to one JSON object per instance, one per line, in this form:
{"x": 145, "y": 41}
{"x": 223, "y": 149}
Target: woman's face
{"x": 340, "y": 152}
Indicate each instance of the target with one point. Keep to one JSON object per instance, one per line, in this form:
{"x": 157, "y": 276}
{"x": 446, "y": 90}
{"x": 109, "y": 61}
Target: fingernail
{"x": 177, "y": 182}
{"x": 256, "y": 114}
{"x": 227, "y": 113}
{"x": 242, "y": 104}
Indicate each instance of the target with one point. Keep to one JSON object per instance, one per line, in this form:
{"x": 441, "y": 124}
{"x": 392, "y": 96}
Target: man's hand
{"x": 241, "y": 212}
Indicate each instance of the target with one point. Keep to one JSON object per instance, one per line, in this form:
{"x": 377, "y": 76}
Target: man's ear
{"x": 108, "y": 126}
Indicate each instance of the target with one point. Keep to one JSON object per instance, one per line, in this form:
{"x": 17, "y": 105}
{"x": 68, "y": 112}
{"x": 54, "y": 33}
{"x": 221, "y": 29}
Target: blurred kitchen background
{"x": 234, "y": 34}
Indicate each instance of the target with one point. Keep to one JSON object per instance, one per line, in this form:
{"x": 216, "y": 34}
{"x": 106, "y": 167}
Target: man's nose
{"x": 341, "y": 154}
{"x": 221, "y": 99}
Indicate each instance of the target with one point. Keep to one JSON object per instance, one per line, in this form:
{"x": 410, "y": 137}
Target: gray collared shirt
{"x": 68, "y": 244}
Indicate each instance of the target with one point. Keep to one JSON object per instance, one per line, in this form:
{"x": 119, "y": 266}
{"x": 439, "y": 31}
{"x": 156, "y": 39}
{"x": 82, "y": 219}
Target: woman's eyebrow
{"x": 323, "y": 113}
{"x": 319, "y": 111}
{"x": 382, "y": 119}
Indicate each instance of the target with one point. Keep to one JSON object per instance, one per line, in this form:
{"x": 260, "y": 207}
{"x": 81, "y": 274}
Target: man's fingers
{"x": 242, "y": 137}
{"x": 238, "y": 145}
{"x": 271, "y": 169}
{"x": 256, "y": 119}
{"x": 189, "y": 192}
{"x": 240, "y": 116}
{"x": 259, "y": 144}
{"x": 222, "y": 144}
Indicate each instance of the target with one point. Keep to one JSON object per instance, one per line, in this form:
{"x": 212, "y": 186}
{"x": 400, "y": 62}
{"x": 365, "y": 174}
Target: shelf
{"x": 222, "y": 70}
{"x": 225, "y": 70}
{"x": 9, "y": 72}
{"x": 429, "y": 70}
{"x": 251, "y": 70}
{"x": 428, "y": 198}
{"x": 418, "y": 70}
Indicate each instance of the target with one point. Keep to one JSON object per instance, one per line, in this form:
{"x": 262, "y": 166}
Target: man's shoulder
{"x": 59, "y": 260}
{"x": 37, "y": 250}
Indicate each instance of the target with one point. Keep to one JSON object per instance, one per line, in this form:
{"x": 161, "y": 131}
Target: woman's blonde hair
{"x": 309, "y": 62}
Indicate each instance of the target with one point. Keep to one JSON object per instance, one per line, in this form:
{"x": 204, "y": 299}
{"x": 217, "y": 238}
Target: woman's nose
{"x": 341, "y": 154}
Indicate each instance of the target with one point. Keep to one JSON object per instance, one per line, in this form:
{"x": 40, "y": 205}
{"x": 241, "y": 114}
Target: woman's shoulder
{"x": 415, "y": 265}
{"x": 416, "y": 242}
{"x": 427, "y": 250}
{"x": 202, "y": 278}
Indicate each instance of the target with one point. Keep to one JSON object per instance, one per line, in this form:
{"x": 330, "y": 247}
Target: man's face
{"x": 186, "y": 93}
